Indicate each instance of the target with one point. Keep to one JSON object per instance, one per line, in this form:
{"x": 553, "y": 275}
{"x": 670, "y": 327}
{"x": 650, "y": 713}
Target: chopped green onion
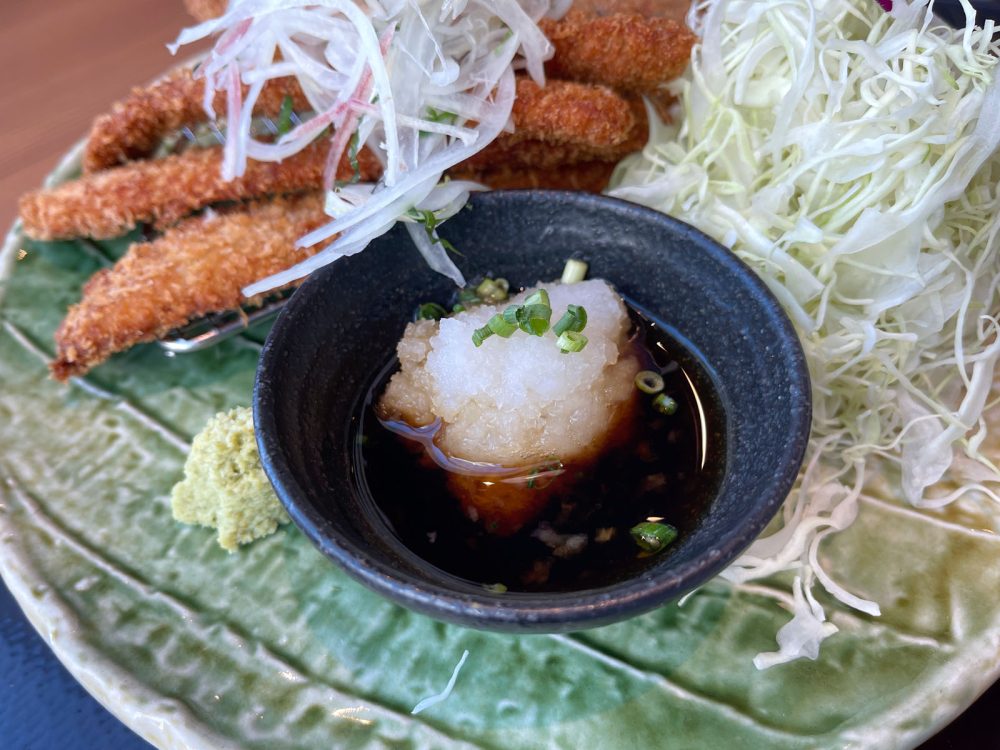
{"x": 665, "y": 405}
{"x": 510, "y": 314}
{"x": 497, "y": 588}
{"x": 500, "y": 326}
{"x": 541, "y": 297}
{"x": 534, "y": 318}
{"x": 649, "y": 382}
{"x": 431, "y": 311}
{"x": 571, "y": 341}
{"x": 352, "y": 156}
{"x": 492, "y": 290}
{"x": 574, "y": 271}
{"x": 480, "y": 335}
{"x": 468, "y": 297}
{"x": 457, "y": 308}
{"x": 284, "y": 123}
{"x": 653, "y": 537}
{"x": 574, "y": 319}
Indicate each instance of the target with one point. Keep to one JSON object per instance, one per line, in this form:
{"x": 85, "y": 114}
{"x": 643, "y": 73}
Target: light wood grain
{"x": 66, "y": 61}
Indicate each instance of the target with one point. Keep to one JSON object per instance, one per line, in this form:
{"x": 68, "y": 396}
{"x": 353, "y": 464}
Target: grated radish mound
{"x": 517, "y": 401}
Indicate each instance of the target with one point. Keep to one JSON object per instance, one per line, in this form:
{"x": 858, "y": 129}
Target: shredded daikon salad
{"x": 850, "y": 157}
{"x": 424, "y": 84}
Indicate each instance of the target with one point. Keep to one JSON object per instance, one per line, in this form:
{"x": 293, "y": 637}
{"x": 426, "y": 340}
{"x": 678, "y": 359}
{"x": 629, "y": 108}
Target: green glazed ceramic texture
{"x": 272, "y": 647}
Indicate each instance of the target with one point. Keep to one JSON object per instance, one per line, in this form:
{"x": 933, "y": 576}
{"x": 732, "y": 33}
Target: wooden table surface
{"x": 66, "y": 60}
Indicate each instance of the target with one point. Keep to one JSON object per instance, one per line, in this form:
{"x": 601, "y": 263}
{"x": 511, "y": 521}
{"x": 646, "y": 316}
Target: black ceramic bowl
{"x": 341, "y": 327}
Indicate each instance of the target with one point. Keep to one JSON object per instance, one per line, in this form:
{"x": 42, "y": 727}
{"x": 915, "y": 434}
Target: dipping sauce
{"x": 665, "y": 470}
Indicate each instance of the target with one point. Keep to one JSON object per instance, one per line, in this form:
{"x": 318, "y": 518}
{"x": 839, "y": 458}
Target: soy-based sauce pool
{"x": 667, "y": 472}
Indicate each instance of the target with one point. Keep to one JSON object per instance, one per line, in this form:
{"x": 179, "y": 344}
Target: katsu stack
{"x": 213, "y": 237}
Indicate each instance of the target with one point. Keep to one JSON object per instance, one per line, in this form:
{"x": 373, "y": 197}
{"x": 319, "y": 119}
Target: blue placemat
{"x": 41, "y": 706}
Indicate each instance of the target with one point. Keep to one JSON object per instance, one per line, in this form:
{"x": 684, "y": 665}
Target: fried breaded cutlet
{"x": 590, "y": 177}
{"x": 136, "y": 125}
{"x": 563, "y": 123}
{"x": 625, "y": 51}
{"x": 198, "y": 267}
{"x": 110, "y": 203}
{"x": 676, "y": 9}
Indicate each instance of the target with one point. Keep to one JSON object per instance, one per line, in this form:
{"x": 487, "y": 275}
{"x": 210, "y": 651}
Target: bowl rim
{"x": 529, "y": 610}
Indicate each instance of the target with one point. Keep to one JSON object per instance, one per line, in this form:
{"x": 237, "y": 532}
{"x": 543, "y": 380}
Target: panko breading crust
{"x": 108, "y": 204}
{"x": 136, "y": 124}
{"x": 198, "y": 267}
{"x": 626, "y": 51}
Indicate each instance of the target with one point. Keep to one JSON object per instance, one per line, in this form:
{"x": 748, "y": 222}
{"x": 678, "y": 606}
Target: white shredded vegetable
{"x": 849, "y": 156}
{"x": 444, "y": 694}
{"x": 424, "y": 84}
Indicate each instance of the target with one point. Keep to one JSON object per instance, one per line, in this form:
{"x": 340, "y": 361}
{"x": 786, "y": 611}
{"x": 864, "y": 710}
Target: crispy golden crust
{"x": 196, "y": 268}
{"x": 591, "y": 177}
{"x": 110, "y": 203}
{"x": 203, "y": 10}
{"x": 676, "y": 9}
{"x": 566, "y": 123}
{"x": 625, "y": 51}
{"x": 137, "y": 124}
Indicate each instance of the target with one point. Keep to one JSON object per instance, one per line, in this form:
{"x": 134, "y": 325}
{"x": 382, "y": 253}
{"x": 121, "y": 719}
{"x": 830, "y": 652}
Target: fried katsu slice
{"x": 137, "y": 124}
{"x": 622, "y": 50}
{"x": 198, "y": 267}
{"x": 110, "y": 203}
{"x": 566, "y": 123}
{"x": 591, "y": 177}
{"x": 676, "y": 9}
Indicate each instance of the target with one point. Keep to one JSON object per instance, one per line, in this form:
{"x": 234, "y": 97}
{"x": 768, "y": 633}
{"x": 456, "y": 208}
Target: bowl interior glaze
{"x": 341, "y": 327}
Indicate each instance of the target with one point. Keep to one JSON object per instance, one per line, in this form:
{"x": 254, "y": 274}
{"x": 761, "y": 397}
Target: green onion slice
{"x": 480, "y": 335}
{"x": 541, "y": 297}
{"x": 571, "y": 341}
{"x": 653, "y": 537}
{"x": 499, "y": 325}
{"x": 534, "y": 318}
{"x": 665, "y": 405}
{"x": 574, "y": 319}
{"x": 492, "y": 290}
{"x": 468, "y": 297}
{"x": 431, "y": 311}
{"x": 649, "y": 382}
{"x": 574, "y": 271}
{"x": 284, "y": 123}
{"x": 510, "y": 314}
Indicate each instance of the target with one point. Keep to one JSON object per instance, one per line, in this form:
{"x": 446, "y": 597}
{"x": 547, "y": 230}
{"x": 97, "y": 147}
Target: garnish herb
{"x": 534, "y": 319}
{"x": 431, "y": 311}
{"x": 665, "y": 405}
{"x": 284, "y": 123}
{"x": 653, "y": 537}
{"x": 480, "y": 335}
{"x": 574, "y": 319}
{"x": 499, "y": 325}
{"x": 492, "y": 290}
{"x": 649, "y": 382}
{"x": 571, "y": 341}
{"x": 352, "y": 156}
{"x": 430, "y": 221}
{"x": 541, "y": 297}
{"x": 574, "y": 271}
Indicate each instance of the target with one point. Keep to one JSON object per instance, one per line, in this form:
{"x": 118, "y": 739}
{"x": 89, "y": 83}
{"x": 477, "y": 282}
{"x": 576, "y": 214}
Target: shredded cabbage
{"x": 850, "y": 157}
{"x": 424, "y": 84}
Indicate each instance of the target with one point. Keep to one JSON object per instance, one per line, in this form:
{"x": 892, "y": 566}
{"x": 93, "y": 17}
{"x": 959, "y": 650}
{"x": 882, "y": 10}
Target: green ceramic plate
{"x": 274, "y": 648}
